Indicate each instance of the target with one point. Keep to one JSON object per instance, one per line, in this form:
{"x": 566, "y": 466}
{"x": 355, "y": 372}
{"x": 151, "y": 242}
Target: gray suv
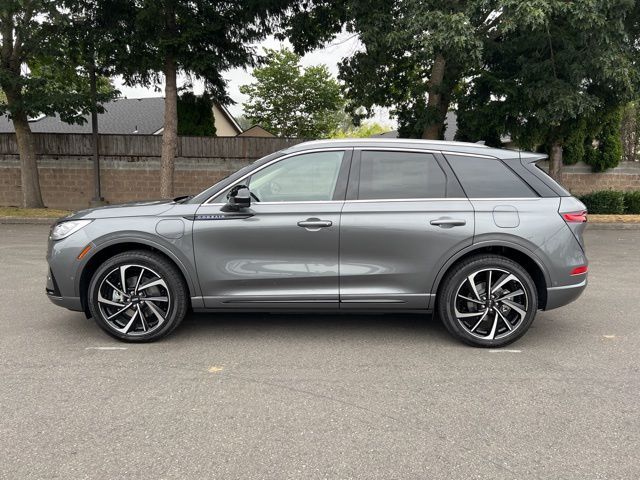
{"x": 481, "y": 236}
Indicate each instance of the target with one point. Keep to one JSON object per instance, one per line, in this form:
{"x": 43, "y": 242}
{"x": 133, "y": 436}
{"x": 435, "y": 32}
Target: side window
{"x": 488, "y": 178}
{"x": 391, "y": 175}
{"x": 303, "y": 178}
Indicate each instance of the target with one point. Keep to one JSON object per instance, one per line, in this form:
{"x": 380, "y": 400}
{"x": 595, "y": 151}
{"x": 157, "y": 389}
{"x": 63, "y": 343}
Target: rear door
{"x": 404, "y": 212}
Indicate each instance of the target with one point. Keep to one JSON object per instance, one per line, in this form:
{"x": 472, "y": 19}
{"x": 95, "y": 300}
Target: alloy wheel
{"x": 491, "y": 303}
{"x": 134, "y": 300}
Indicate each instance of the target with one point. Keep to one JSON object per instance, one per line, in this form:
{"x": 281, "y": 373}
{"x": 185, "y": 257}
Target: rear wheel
{"x": 488, "y": 301}
{"x": 137, "y": 296}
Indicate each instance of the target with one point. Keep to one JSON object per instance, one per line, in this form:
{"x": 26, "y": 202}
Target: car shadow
{"x": 312, "y": 325}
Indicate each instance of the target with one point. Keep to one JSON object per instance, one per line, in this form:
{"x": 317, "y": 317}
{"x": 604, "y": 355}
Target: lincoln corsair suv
{"x": 480, "y": 236}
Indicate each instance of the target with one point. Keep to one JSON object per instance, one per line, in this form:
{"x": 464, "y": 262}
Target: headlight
{"x": 64, "y": 229}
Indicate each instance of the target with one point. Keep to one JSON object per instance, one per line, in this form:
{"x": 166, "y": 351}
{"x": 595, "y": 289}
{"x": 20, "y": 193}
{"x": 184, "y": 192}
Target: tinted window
{"x": 400, "y": 175}
{"x": 488, "y": 178}
{"x": 305, "y": 177}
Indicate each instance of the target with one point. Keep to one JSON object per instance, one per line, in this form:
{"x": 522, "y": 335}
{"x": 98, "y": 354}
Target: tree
{"x": 37, "y": 77}
{"x": 550, "y": 65}
{"x": 630, "y": 132}
{"x": 414, "y": 54}
{"x": 195, "y": 115}
{"x": 365, "y": 130}
{"x": 291, "y": 101}
{"x": 201, "y": 39}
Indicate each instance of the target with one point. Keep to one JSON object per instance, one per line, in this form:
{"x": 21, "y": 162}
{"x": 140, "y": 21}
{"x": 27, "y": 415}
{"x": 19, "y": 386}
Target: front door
{"x": 404, "y": 213}
{"x": 282, "y": 252}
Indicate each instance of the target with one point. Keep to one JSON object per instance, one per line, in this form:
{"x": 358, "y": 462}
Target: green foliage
{"x": 195, "y": 115}
{"x": 292, "y": 101}
{"x": 630, "y": 132}
{"x": 365, "y": 130}
{"x": 38, "y": 72}
{"x": 608, "y": 152}
{"x": 204, "y": 38}
{"x": 632, "y": 202}
{"x": 605, "y": 202}
{"x": 401, "y": 40}
{"x": 548, "y": 64}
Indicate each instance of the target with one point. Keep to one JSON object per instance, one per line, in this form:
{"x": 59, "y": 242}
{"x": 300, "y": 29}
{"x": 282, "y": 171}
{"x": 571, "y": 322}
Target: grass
{"x": 32, "y": 212}
{"x": 613, "y": 218}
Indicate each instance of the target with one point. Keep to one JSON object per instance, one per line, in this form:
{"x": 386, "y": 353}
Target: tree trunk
{"x": 31, "y": 195}
{"x": 97, "y": 196}
{"x": 170, "y": 132}
{"x": 555, "y": 161}
{"x": 435, "y": 127}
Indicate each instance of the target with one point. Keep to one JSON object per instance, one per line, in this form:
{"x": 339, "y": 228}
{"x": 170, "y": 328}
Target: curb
{"x": 26, "y": 221}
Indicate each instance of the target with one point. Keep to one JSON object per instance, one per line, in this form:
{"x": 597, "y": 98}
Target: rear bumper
{"x": 560, "y": 296}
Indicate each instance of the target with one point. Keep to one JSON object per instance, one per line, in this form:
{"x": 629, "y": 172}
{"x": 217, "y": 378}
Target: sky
{"x": 343, "y": 46}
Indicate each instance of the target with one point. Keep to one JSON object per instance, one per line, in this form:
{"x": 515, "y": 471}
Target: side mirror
{"x": 239, "y": 197}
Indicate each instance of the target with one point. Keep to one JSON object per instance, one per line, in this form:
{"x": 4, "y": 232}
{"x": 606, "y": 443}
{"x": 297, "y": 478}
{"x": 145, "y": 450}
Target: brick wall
{"x": 130, "y": 166}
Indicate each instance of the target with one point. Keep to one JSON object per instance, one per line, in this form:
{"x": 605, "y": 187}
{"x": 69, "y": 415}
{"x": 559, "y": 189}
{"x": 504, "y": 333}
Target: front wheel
{"x": 137, "y": 296}
{"x": 488, "y": 301}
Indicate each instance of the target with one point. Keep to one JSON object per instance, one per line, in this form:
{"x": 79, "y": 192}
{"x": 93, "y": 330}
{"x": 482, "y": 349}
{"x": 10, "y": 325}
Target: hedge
{"x": 612, "y": 202}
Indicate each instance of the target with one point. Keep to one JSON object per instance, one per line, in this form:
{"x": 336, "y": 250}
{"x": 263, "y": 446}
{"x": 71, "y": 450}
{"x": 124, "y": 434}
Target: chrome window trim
{"x": 275, "y": 160}
{"x": 421, "y": 150}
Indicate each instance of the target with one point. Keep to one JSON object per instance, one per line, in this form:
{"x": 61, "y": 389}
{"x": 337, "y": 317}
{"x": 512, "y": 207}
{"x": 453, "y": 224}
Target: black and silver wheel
{"x": 137, "y": 296}
{"x": 488, "y": 301}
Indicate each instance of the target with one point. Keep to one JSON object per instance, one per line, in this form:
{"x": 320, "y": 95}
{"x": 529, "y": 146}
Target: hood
{"x": 133, "y": 209}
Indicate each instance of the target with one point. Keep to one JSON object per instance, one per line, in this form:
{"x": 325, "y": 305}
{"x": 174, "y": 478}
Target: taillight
{"x": 580, "y": 270}
{"x": 575, "y": 217}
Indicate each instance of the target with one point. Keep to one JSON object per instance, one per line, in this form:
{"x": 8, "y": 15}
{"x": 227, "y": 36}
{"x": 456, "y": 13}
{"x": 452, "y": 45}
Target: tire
{"x": 155, "y": 293}
{"x": 479, "y": 321}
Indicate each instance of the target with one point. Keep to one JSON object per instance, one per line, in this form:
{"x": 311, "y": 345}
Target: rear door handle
{"x": 446, "y": 222}
{"x": 315, "y": 223}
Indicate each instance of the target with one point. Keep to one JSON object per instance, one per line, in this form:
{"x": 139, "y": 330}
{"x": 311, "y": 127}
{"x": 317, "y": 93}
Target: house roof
{"x": 128, "y": 116}
{"x": 256, "y": 131}
{"x": 121, "y": 116}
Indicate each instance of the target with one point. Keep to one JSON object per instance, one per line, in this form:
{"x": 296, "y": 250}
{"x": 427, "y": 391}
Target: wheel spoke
{"x": 106, "y": 301}
{"x": 127, "y": 327}
{"x": 156, "y": 312}
{"x": 488, "y": 289}
{"x": 505, "y": 278}
{"x": 116, "y": 288}
{"x": 123, "y": 278}
{"x": 492, "y": 333}
{"x": 517, "y": 307}
{"x": 467, "y": 315}
{"x": 156, "y": 299}
{"x": 480, "y": 321}
{"x": 506, "y": 322}
{"x": 471, "y": 279}
{"x": 135, "y": 290}
{"x": 469, "y": 299}
{"x": 153, "y": 283}
{"x": 511, "y": 295}
{"x": 143, "y": 320}
{"x": 123, "y": 309}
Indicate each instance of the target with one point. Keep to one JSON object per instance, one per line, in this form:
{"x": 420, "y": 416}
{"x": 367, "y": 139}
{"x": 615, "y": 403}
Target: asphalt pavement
{"x": 259, "y": 396}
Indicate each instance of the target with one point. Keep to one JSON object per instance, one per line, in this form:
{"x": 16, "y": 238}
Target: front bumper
{"x": 72, "y": 303}
{"x": 560, "y": 296}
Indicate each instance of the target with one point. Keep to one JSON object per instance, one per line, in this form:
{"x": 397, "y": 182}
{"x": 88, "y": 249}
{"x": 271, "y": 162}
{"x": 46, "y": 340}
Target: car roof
{"x": 439, "y": 145}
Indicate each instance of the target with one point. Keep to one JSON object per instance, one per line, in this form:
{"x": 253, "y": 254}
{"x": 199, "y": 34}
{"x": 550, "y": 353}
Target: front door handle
{"x": 315, "y": 223}
{"x": 446, "y": 222}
